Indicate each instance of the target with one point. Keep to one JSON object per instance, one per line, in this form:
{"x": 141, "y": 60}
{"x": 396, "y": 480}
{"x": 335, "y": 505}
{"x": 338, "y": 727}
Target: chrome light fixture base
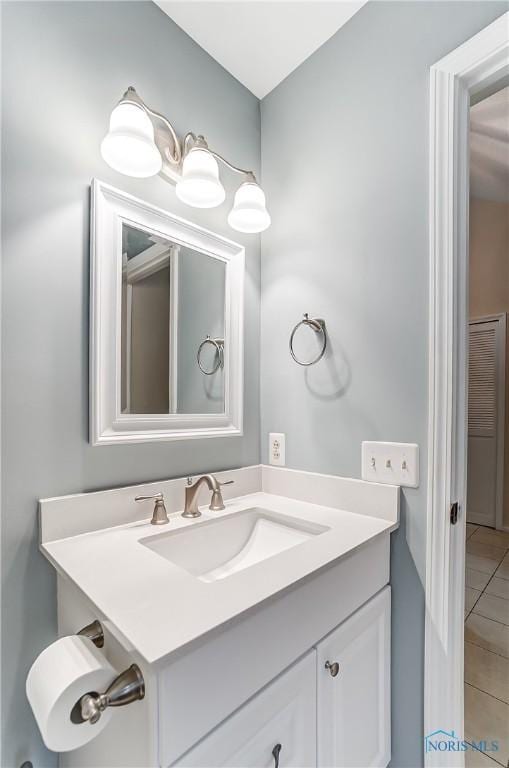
{"x": 170, "y": 171}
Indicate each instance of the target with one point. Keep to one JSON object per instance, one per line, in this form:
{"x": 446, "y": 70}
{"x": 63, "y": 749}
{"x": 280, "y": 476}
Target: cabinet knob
{"x": 275, "y": 755}
{"x": 333, "y": 667}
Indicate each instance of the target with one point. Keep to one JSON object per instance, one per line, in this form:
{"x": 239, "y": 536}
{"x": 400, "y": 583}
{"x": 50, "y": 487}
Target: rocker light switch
{"x": 393, "y": 463}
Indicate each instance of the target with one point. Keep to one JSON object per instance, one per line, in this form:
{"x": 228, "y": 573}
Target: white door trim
{"x": 174, "y": 327}
{"x": 467, "y": 70}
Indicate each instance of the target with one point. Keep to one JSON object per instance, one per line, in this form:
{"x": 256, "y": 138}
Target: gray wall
{"x": 64, "y": 67}
{"x": 345, "y": 169}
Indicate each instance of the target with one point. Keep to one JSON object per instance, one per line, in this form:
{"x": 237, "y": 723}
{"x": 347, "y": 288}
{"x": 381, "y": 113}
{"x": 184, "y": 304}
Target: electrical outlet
{"x": 277, "y": 449}
{"x": 394, "y": 463}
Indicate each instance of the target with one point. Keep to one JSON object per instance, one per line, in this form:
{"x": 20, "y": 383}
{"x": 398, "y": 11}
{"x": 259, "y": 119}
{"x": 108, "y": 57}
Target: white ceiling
{"x": 489, "y": 147}
{"x": 260, "y": 41}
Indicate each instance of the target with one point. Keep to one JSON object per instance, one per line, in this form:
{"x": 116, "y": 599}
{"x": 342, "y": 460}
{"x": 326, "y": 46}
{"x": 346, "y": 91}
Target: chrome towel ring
{"x": 219, "y": 345}
{"x": 318, "y": 326}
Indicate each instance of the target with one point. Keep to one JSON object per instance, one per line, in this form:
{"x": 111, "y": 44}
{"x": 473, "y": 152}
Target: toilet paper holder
{"x": 94, "y": 632}
{"x": 127, "y": 687}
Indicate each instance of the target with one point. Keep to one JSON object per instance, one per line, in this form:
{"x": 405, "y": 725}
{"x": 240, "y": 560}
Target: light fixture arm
{"x": 250, "y": 174}
{"x": 201, "y": 142}
{"x": 191, "y": 138}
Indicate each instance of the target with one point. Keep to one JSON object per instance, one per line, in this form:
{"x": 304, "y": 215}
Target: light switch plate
{"x": 393, "y": 463}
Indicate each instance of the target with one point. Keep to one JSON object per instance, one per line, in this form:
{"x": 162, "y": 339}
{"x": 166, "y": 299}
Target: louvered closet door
{"x": 486, "y": 376}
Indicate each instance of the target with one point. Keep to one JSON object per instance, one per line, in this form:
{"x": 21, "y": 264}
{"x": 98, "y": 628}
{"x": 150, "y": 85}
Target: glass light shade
{"x": 129, "y": 146}
{"x": 200, "y": 185}
{"x": 249, "y": 213}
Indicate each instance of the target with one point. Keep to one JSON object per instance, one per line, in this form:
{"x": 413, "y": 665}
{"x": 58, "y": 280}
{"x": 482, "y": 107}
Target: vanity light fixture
{"x": 249, "y": 213}
{"x": 199, "y": 184}
{"x": 143, "y": 143}
{"x": 129, "y": 146}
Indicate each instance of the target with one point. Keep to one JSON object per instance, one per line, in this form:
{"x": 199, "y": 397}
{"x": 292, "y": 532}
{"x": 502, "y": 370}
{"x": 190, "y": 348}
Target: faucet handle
{"x": 217, "y": 503}
{"x": 156, "y": 496}
{"x": 160, "y": 515}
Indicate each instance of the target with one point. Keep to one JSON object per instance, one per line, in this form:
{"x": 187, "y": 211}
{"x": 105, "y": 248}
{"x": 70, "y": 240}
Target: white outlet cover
{"x": 277, "y": 449}
{"x": 391, "y": 463}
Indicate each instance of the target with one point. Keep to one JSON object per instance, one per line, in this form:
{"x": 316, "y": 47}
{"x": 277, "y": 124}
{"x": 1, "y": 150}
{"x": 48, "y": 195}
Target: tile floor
{"x": 487, "y": 644}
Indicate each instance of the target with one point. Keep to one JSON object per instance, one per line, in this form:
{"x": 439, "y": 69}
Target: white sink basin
{"x": 214, "y": 549}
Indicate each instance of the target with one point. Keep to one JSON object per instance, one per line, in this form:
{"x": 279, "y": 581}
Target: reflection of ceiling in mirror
{"x": 489, "y": 147}
{"x": 135, "y": 241}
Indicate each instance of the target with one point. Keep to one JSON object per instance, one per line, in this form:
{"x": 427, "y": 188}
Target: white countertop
{"x": 157, "y": 607}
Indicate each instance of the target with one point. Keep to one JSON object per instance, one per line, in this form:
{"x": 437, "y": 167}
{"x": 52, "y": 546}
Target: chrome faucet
{"x": 191, "y": 503}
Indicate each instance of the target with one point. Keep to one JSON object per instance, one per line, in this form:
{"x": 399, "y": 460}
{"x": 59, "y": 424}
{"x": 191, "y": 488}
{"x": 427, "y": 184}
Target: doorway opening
{"x": 486, "y": 648}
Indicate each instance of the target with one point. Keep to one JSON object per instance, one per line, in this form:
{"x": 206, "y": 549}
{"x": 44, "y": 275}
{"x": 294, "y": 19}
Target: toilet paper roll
{"x": 62, "y": 674}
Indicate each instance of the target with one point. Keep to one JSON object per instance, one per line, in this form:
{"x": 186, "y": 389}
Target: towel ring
{"x": 219, "y": 345}
{"x": 318, "y": 326}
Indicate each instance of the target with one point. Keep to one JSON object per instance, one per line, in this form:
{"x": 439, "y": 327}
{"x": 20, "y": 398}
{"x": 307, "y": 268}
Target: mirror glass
{"x": 172, "y": 327}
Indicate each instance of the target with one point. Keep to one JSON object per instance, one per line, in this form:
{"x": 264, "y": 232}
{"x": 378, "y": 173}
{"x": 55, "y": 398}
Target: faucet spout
{"x": 191, "y": 499}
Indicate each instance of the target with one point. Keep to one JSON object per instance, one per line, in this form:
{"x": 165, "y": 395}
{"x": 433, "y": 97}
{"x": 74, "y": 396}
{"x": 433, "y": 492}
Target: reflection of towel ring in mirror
{"x": 318, "y": 325}
{"x": 219, "y": 345}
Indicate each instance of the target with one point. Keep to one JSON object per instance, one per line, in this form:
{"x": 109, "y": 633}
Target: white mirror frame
{"x": 110, "y": 209}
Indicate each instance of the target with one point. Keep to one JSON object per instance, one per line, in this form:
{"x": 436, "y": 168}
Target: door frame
{"x": 150, "y": 263}
{"x": 469, "y": 69}
{"x": 501, "y": 319}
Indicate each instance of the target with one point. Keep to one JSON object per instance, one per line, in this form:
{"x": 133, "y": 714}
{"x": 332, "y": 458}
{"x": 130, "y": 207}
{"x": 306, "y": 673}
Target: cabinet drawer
{"x": 282, "y": 713}
{"x": 354, "y": 723}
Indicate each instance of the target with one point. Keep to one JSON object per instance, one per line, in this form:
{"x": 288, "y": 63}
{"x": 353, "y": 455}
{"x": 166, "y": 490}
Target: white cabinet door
{"x": 354, "y": 724}
{"x": 283, "y": 713}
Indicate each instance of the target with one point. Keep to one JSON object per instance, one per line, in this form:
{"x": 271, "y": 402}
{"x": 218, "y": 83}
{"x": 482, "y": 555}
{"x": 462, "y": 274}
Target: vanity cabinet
{"x": 277, "y": 727}
{"x": 319, "y": 713}
{"x": 354, "y": 724}
{"x": 261, "y": 680}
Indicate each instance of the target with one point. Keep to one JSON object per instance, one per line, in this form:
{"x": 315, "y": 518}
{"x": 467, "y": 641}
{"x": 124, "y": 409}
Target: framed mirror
{"x": 166, "y": 325}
